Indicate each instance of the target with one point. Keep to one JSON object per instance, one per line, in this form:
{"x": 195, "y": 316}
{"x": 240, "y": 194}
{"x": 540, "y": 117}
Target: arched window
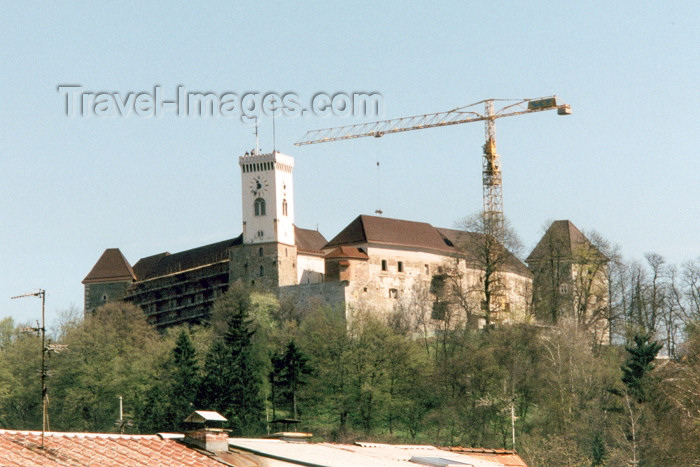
{"x": 259, "y": 207}
{"x": 284, "y": 207}
{"x": 260, "y": 251}
{"x": 262, "y": 271}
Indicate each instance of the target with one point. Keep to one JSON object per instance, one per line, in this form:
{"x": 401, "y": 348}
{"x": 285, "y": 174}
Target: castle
{"x": 375, "y": 262}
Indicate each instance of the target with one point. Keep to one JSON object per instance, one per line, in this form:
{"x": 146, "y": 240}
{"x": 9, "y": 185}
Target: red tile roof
{"x": 23, "y": 448}
{"x": 349, "y": 252}
{"x": 112, "y": 266}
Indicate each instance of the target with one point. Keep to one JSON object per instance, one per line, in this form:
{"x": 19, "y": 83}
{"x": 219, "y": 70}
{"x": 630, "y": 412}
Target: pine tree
{"x": 598, "y": 452}
{"x": 293, "y": 370}
{"x": 639, "y": 364}
{"x": 274, "y": 377}
{"x": 231, "y": 383}
{"x": 185, "y": 379}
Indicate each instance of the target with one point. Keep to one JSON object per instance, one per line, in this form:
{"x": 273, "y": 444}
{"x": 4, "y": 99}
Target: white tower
{"x": 268, "y": 198}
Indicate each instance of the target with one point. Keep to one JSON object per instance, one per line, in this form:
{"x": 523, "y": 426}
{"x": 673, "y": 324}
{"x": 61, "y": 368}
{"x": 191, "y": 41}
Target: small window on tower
{"x": 259, "y": 207}
{"x": 400, "y": 266}
{"x": 383, "y": 265}
{"x": 284, "y": 207}
{"x": 260, "y": 251}
{"x": 262, "y": 271}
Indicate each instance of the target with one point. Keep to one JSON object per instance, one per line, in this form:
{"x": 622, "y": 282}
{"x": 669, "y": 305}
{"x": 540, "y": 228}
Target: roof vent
{"x": 208, "y": 433}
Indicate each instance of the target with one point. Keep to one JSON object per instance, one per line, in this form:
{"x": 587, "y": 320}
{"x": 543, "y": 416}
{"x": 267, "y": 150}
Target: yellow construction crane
{"x": 493, "y": 109}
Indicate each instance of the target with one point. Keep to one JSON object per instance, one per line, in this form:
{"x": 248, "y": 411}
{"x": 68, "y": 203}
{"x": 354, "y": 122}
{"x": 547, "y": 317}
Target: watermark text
{"x": 181, "y": 102}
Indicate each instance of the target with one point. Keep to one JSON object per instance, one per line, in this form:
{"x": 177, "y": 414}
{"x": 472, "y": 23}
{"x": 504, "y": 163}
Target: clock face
{"x": 259, "y": 186}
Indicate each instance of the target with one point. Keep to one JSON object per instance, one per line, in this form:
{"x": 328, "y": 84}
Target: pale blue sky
{"x": 624, "y": 164}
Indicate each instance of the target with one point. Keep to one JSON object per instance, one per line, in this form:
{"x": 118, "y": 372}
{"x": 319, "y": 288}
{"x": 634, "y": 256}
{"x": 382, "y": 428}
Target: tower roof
{"x": 112, "y": 266}
{"x": 562, "y": 240}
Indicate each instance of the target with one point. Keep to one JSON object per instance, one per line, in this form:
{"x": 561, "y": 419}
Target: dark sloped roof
{"x": 396, "y": 232}
{"x": 144, "y": 265}
{"x": 382, "y": 230}
{"x": 347, "y": 252}
{"x": 309, "y": 241}
{"x": 166, "y": 263}
{"x": 22, "y": 448}
{"x": 462, "y": 241}
{"x": 561, "y": 240}
{"x": 112, "y": 266}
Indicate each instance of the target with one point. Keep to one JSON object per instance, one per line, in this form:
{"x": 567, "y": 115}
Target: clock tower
{"x": 269, "y": 251}
{"x": 268, "y": 198}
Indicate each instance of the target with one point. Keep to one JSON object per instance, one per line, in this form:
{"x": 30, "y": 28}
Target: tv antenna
{"x": 45, "y": 349}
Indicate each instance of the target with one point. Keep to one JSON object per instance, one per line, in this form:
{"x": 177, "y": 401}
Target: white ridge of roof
{"x": 207, "y": 415}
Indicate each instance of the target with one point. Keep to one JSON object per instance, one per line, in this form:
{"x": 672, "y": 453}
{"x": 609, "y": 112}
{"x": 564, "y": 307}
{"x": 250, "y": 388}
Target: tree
{"x": 571, "y": 279}
{"x": 323, "y": 337}
{"x": 20, "y": 387}
{"x": 113, "y": 352}
{"x": 231, "y": 382}
{"x": 492, "y": 257}
{"x": 639, "y": 363}
{"x": 291, "y": 370}
{"x": 185, "y": 377}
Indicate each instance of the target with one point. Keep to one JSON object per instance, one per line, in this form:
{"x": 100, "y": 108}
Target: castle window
{"x": 384, "y": 265}
{"x": 262, "y": 271}
{"x": 260, "y": 251}
{"x": 400, "y": 266}
{"x": 284, "y": 207}
{"x": 259, "y": 207}
{"x": 439, "y": 310}
{"x": 427, "y": 269}
{"x": 393, "y": 293}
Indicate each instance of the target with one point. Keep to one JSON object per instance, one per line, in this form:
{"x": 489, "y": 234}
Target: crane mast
{"x": 491, "y": 164}
{"x": 492, "y": 181}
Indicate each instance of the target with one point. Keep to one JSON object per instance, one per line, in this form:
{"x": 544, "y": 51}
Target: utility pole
{"x": 512, "y": 422}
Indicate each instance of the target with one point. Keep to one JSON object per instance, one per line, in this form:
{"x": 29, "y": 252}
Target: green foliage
{"x": 20, "y": 386}
{"x": 113, "y": 353}
{"x": 324, "y": 338}
{"x": 598, "y": 453}
{"x": 639, "y": 364}
{"x": 371, "y": 379}
{"x": 231, "y": 382}
{"x": 174, "y": 395}
{"x": 289, "y": 374}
